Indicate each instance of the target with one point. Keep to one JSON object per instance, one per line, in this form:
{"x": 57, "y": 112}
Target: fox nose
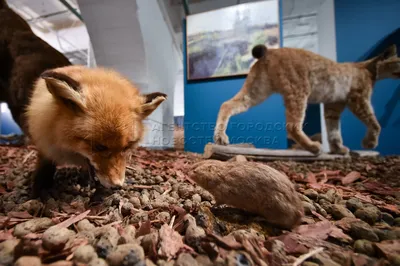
{"x": 118, "y": 182}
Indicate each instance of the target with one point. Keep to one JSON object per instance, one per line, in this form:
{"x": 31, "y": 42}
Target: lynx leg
{"x": 332, "y": 113}
{"x": 295, "y": 114}
{"x": 364, "y": 111}
{"x": 241, "y": 102}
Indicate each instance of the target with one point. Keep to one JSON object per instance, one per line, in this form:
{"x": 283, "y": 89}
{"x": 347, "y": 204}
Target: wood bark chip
{"x": 253, "y": 187}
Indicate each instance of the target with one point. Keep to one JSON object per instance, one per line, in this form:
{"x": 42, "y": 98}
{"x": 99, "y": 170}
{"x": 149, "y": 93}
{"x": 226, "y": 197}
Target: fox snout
{"x": 111, "y": 171}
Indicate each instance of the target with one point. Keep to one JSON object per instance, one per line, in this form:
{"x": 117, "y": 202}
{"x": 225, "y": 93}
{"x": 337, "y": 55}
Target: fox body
{"x": 88, "y": 117}
{"x": 303, "y": 77}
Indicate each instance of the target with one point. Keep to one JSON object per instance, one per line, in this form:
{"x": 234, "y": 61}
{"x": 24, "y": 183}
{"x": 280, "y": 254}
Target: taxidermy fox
{"x": 23, "y": 57}
{"x": 302, "y": 77}
{"x": 89, "y": 117}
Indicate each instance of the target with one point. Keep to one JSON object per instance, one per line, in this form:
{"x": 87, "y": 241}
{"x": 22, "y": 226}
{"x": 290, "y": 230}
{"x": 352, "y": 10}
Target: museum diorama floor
{"x": 162, "y": 217}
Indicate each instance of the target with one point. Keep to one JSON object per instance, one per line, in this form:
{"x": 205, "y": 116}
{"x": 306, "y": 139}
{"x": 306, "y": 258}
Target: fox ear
{"x": 151, "y": 102}
{"x": 64, "y": 88}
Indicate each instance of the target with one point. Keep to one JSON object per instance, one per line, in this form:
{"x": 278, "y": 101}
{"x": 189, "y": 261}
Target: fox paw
{"x": 221, "y": 139}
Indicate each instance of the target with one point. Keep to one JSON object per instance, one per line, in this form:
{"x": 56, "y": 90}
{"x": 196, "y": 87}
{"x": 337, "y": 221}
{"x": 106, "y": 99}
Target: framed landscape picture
{"x": 219, "y": 42}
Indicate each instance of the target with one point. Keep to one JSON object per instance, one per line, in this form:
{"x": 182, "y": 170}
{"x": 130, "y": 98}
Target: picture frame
{"x": 219, "y": 42}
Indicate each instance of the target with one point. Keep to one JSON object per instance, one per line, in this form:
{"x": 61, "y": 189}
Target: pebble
{"x": 28, "y": 261}
{"x": 368, "y": 214}
{"x": 194, "y": 234}
{"x": 85, "y": 254}
{"x": 135, "y": 201}
{"x": 126, "y": 254}
{"x": 7, "y": 251}
{"x": 98, "y": 262}
{"x": 85, "y": 225}
{"x": 32, "y": 226}
{"x": 158, "y": 179}
{"x": 185, "y": 259}
{"x": 164, "y": 217}
{"x": 339, "y": 211}
{"x": 308, "y": 207}
{"x": 139, "y": 217}
{"x": 55, "y": 238}
{"x": 387, "y": 218}
{"x": 148, "y": 240}
{"x": 144, "y": 200}
{"x": 196, "y": 198}
{"x": 107, "y": 242}
{"x": 385, "y": 234}
{"x": 311, "y": 193}
{"x": 32, "y": 206}
{"x": 320, "y": 210}
{"x": 206, "y": 196}
{"x": 128, "y": 235}
{"x": 185, "y": 191}
{"x": 362, "y": 230}
{"x": 326, "y": 205}
{"x": 309, "y": 263}
{"x": 365, "y": 247}
{"x": 353, "y": 204}
{"x": 306, "y": 199}
{"x": 127, "y": 209}
{"x": 175, "y": 195}
{"x": 397, "y": 222}
{"x": 188, "y": 205}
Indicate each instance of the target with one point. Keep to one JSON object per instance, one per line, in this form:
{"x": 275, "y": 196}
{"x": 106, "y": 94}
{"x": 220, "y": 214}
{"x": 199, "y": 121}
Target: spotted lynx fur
{"x": 303, "y": 77}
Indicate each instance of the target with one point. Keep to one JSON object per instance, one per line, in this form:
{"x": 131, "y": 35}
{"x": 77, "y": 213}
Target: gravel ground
{"x": 162, "y": 218}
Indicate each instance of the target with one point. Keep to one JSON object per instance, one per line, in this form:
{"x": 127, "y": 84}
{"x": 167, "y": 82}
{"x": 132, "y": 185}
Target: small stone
{"x": 368, "y": 214}
{"x": 387, "y": 218}
{"x": 194, "y": 234}
{"x": 188, "y": 205}
{"x": 339, "y": 211}
{"x": 243, "y": 234}
{"x": 127, "y": 209}
{"x": 175, "y": 195}
{"x": 362, "y": 230}
{"x": 329, "y": 196}
{"x": 395, "y": 260}
{"x": 309, "y": 263}
{"x": 185, "y": 259}
{"x": 85, "y": 225}
{"x": 32, "y": 226}
{"x": 203, "y": 260}
{"x": 85, "y": 254}
{"x": 108, "y": 240}
{"x": 28, "y": 261}
{"x": 98, "y": 262}
{"x": 306, "y": 199}
{"x": 385, "y": 234}
{"x": 196, "y": 198}
{"x": 55, "y": 238}
{"x": 7, "y": 251}
{"x": 158, "y": 179}
{"x": 144, "y": 200}
{"x": 164, "y": 217}
{"x": 308, "y": 207}
{"x": 320, "y": 210}
{"x": 128, "y": 236}
{"x": 397, "y": 222}
{"x": 365, "y": 247}
{"x": 354, "y": 204}
{"x": 206, "y": 196}
{"x": 148, "y": 241}
{"x": 32, "y": 206}
{"x": 139, "y": 217}
{"x": 126, "y": 254}
{"x": 185, "y": 191}
{"x": 325, "y": 259}
{"x": 135, "y": 201}
{"x": 311, "y": 193}
{"x": 325, "y": 204}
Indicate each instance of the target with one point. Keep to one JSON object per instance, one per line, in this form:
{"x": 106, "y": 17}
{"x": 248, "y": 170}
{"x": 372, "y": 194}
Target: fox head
{"x": 94, "y": 113}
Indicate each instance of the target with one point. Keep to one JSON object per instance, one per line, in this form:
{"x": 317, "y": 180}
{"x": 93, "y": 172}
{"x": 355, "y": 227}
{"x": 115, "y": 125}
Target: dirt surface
{"x": 161, "y": 217}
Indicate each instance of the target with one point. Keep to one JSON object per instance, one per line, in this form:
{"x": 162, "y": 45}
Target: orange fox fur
{"x": 87, "y": 117}
{"x": 303, "y": 77}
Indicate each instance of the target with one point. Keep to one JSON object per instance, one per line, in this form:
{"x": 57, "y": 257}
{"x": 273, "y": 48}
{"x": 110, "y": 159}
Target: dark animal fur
{"x": 23, "y": 57}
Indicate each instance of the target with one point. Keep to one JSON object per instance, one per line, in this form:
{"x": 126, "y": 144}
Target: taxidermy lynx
{"x": 302, "y": 77}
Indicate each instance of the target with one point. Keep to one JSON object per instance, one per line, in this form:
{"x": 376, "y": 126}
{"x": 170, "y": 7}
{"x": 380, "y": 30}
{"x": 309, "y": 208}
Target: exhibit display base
{"x": 221, "y": 152}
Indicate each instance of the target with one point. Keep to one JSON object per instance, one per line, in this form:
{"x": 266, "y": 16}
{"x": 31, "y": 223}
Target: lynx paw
{"x": 315, "y": 148}
{"x": 370, "y": 143}
{"x": 341, "y": 150}
{"x": 221, "y": 139}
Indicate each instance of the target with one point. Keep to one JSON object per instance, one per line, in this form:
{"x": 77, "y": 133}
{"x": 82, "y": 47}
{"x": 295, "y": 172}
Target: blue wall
{"x": 360, "y": 26}
{"x": 262, "y": 125}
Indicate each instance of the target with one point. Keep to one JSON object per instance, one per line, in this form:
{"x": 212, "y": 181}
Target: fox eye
{"x": 100, "y": 148}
